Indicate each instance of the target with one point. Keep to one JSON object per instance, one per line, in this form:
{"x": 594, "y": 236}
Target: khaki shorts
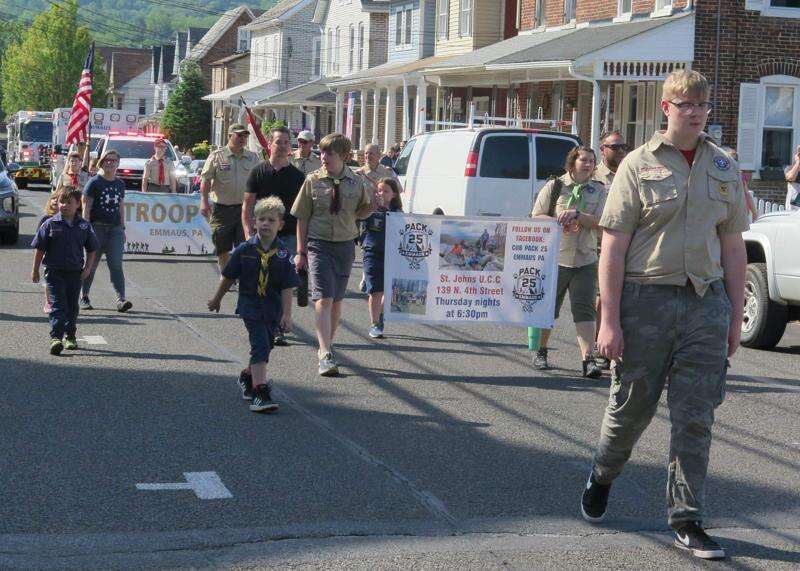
{"x": 226, "y": 226}
{"x": 582, "y": 285}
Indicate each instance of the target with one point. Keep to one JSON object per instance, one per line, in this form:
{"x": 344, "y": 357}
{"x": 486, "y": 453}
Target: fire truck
{"x": 30, "y": 140}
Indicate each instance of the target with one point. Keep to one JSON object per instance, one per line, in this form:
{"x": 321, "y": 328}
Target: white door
{"x": 503, "y": 185}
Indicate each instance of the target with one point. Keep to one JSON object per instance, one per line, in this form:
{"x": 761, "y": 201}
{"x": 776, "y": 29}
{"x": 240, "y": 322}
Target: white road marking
{"x": 93, "y": 339}
{"x": 206, "y": 486}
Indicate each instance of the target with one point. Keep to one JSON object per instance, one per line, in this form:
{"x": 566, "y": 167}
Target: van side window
{"x": 550, "y": 156}
{"x": 401, "y": 164}
{"x": 506, "y": 156}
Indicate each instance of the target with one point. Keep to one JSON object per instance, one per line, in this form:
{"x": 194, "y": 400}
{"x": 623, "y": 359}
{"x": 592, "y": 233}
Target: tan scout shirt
{"x": 675, "y": 214}
{"x": 604, "y": 175}
{"x": 228, "y": 174}
{"x": 314, "y": 200}
{"x": 579, "y": 248}
{"x": 150, "y": 173}
{"x": 66, "y": 180}
{"x": 307, "y": 165}
{"x": 373, "y": 176}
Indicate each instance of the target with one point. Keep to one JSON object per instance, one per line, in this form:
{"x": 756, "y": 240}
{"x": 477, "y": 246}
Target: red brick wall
{"x": 587, "y": 10}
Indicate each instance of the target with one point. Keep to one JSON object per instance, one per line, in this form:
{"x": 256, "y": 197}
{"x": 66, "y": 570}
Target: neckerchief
{"x": 576, "y": 197}
{"x": 336, "y": 200}
{"x": 73, "y": 179}
{"x": 160, "y": 171}
{"x": 263, "y": 270}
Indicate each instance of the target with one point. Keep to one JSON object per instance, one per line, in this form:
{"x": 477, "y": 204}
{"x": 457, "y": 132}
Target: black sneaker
{"x": 280, "y": 339}
{"x": 246, "y": 384}
{"x": 690, "y": 536}
{"x": 84, "y": 303}
{"x": 591, "y": 370}
{"x": 603, "y": 363}
{"x": 262, "y": 401}
{"x": 124, "y": 306}
{"x": 540, "y": 359}
{"x": 594, "y": 500}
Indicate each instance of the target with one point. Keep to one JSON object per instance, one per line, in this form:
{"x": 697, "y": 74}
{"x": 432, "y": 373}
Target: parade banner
{"x": 162, "y": 223}
{"x": 471, "y": 270}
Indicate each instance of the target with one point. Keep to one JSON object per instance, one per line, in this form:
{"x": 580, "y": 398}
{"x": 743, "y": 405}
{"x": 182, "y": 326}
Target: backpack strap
{"x": 555, "y": 192}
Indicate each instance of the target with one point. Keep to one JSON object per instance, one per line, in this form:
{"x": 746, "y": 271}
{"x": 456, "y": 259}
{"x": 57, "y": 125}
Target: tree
{"x": 10, "y": 33}
{"x": 187, "y": 118}
{"x": 42, "y": 70}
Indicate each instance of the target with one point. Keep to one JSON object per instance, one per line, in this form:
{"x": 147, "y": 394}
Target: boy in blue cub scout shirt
{"x": 60, "y": 242}
{"x": 266, "y": 277}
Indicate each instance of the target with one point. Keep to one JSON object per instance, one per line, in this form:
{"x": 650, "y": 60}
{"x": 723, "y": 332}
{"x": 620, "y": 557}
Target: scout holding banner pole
{"x": 487, "y": 270}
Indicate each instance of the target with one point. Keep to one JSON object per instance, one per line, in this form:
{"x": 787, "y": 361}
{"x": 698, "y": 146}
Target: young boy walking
{"x": 672, "y": 289}
{"x": 60, "y": 242}
{"x": 266, "y": 277}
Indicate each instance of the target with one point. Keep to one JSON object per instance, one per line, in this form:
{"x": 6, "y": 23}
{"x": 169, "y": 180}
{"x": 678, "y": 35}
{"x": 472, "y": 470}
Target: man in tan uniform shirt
{"x": 672, "y": 286}
{"x": 303, "y": 159}
{"x": 373, "y": 171}
{"x": 224, "y": 178}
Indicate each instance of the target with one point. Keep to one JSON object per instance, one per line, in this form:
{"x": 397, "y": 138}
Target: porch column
{"x": 339, "y": 120}
{"x": 405, "y": 110}
{"x": 436, "y": 109}
{"x": 362, "y": 143}
{"x": 391, "y": 116}
{"x": 376, "y": 109}
{"x": 422, "y": 106}
{"x": 596, "y": 104}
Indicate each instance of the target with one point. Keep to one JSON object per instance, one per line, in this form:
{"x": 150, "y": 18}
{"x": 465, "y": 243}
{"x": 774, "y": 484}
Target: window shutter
{"x": 749, "y": 111}
{"x": 641, "y": 112}
{"x": 618, "y": 106}
{"x": 653, "y": 111}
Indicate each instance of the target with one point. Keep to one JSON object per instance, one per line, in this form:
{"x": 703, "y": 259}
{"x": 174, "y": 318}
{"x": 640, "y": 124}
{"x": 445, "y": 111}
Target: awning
{"x": 387, "y": 72}
{"x": 256, "y": 89}
{"x": 311, "y": 94}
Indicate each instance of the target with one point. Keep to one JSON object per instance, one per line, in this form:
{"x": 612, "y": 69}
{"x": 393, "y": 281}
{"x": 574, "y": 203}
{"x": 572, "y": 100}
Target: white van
{"x": 491, "y": 171}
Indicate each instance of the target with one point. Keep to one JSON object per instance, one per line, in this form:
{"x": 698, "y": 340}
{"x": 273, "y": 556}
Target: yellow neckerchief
{"x": 263, "y": 270}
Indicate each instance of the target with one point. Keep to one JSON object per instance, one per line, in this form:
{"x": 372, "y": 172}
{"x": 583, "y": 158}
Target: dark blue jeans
{"x": 112, "y": 244}
{"x": 64, "y": 290}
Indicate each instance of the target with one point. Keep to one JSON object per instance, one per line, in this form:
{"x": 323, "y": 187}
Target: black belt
{"x": 227, "y": 205}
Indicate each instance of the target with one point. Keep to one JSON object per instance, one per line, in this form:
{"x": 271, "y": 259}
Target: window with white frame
{"x": 329, "y": 52}
{"x": 775, "y": 8}
{"x": 663, "y": 4}
{"x": 408, "y": 22}
{"x": 538, "y": 14}
{"x": 779, "y": 124}
{"x": 242, "y": 40}
{"x": 465, "y": 18}
{"x": 624, "y": 7}
{"x": 398, "y": 28}
{"x": 337, "y": 55}
{"x": 569, "y": 10}
{"x": 317, "y": 57}
{"x": 785, "y": 3}
{"x": 442, "y": 18}
{"x": 351, "y": 55}
{"x": 142, "y": 105}
{"x": 361, "y": 46}
{"x": 276, "y": 56}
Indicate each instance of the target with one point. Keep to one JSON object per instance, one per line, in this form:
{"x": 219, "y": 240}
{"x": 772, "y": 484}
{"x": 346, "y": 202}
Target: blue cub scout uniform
{"x": 245, "y": 264}
{"x": 374, "y": 237}
{"x": 63, "y": 243}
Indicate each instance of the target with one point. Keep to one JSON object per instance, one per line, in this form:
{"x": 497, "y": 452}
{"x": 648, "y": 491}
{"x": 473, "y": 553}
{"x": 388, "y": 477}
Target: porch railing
{"x": 765, "y": 206}
{"x": 485, "y": 120}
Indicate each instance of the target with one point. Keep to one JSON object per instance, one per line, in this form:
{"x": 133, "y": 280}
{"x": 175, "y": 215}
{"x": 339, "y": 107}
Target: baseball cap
{"x": 306, "y": 136}
{"x": 237, "y": 128}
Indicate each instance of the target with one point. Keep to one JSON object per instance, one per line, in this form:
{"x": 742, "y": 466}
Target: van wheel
{"x": 438, "y": 211}
{"x": 764, "y": 320}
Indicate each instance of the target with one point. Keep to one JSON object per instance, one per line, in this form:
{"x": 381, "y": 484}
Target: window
{"x": 317, "y": 57}
{"x": 142, "y": 106}
{"x": 550, "y": 156}
{"x": 329, "y": 52}
{"x": 398, "y": 28}
{"x": 408, "y": 26}
{"x": 352, "y": 52}
{"x": 337, "y": 55}
{"x": 663, "y": 4}
{"x": 539, "y": 14}
{"x": 243, "y": 40}
{"x": 776, "y": 150}
{"x": 442, "y": 18}
{"x": 775, "y": 8}
{"x": 625, "y": 7}
{"x": 401, "y": 164}
{"x": 785, "y": 3}
{"x": 361, "y": 46}
{"x": 276, "y": 54}
{"x": 465, "y": 18}
{"x": 506, "y": 156}
{"x": 569, "y": 10}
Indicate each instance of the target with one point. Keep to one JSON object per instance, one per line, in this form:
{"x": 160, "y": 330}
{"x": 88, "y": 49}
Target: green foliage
{"x": 201, "y": 150}
{"x": 267, "y": 126}
{"x": 187, "y": 118}
{"x": 41, "y": 70}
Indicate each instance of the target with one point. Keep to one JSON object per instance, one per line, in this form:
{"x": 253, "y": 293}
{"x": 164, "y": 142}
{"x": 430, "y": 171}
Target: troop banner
{"x": 457, "y": 270}
{"x": 161, "y": 223}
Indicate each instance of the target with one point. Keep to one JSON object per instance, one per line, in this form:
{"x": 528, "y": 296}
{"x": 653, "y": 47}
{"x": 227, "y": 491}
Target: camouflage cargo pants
{"x": 671, "y": 335}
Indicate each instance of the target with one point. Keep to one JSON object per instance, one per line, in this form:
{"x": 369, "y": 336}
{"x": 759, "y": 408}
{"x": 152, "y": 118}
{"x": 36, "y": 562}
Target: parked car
{"x": 490, "y": 171}
{"x": 9, "y": 204}
{"x": 772, "y": 283}
{"x": 134, "y": 149}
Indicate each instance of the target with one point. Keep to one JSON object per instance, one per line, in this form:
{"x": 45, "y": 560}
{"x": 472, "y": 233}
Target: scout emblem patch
{"x": 722, "y": 163}
{"x": 723, "y": 189}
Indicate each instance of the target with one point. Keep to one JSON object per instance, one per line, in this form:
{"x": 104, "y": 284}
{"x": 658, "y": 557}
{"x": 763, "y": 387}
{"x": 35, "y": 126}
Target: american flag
{"x": 77, "y": 129}
{"x": 255, "y": 127}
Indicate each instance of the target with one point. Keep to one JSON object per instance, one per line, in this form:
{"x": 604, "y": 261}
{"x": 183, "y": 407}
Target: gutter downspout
{"x": 716, "y": 60}
{"x": 595, "y": 134}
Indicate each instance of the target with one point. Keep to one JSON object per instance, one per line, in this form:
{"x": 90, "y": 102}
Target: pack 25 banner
{"x": 161, "y": 223}
{"x": 485, "y": 270}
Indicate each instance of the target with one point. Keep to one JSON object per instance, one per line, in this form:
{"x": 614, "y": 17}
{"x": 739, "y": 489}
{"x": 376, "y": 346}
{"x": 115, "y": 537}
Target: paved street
{"x": 437, "y": 448}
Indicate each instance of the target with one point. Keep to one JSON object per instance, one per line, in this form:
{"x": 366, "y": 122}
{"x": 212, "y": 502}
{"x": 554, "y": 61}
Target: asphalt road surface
{"x": 437, "y": 448}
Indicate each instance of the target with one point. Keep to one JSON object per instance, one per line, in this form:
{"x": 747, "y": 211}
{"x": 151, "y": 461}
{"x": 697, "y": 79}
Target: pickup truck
{"x": 772, "y": 284}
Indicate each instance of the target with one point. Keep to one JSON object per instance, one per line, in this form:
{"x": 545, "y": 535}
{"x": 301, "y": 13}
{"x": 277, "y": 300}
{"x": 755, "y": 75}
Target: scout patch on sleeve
{"x": 722, "y": 163}
{"x": 283, "y": 253}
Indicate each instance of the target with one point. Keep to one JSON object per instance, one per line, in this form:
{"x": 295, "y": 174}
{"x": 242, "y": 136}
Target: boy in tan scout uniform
{"x": 72, "y": 175}
{"x": 224, "y": 177}
{"x": 303, "y": 159}
{"x": 159, "y": 170}
{"x": 672, "y": 288}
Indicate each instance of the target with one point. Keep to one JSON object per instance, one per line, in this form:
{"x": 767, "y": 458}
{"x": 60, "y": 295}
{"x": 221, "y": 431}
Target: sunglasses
{"x": 617, "y": 147}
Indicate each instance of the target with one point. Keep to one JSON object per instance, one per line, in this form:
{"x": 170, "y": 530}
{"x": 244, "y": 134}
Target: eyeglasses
{"x": 242, "y": 134}
{"x": 686, "y": 107}
{"x": 617, "y": 147}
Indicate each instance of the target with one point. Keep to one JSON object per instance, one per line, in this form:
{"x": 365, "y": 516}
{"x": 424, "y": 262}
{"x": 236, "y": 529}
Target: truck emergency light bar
{"x": 136, "y": 134}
